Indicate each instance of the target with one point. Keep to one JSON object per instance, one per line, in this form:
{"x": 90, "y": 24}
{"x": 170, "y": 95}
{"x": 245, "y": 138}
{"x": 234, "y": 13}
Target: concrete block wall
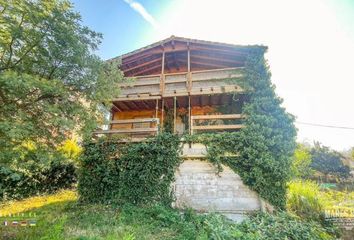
{"x": 199, "y": 187}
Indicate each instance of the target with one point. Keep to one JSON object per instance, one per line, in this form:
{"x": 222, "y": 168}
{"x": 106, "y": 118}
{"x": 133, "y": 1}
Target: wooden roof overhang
{"x": 204, "y": 55}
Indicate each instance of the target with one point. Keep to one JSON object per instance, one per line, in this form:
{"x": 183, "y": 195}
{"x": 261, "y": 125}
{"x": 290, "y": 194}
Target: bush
{"x": 189, "y": 225}
{"x": 329, "y": 163}
{"x": 280, "y": 226}
{"x": 36, "y": 179}
{"x": 135, "y": 173}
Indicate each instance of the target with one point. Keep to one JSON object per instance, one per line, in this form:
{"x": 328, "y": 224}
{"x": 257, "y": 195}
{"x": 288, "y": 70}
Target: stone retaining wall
{"x": 199, "y": 187}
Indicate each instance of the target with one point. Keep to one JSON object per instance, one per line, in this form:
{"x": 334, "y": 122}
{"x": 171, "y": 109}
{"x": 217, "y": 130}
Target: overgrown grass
{"x": 60, "y": 216}
{"x": 303, "y": 199}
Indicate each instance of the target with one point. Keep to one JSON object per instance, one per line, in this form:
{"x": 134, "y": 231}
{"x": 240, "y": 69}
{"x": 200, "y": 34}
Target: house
{"x": 183, "y": 81}
{"x": 188, "y": 86}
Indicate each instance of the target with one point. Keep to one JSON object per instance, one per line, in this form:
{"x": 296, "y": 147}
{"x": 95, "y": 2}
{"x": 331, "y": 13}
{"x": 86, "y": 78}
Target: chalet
{"x": 184, "y": 81}
{"x": 188, "y": 86}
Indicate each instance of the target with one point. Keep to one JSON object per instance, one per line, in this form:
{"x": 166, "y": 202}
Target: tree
{"x": 301, "y": 162}
{"x": 51, "y": 82}
{"x": 328, "y": 162}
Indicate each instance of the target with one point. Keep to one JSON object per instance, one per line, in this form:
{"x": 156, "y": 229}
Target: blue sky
{"x": 123, "y": 28}
{"x": 311, "y": 47}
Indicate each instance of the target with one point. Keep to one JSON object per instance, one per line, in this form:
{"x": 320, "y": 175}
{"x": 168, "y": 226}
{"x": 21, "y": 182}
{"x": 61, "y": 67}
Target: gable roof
{"x": 204, "y": 55}
{"x": 190, "y": 40}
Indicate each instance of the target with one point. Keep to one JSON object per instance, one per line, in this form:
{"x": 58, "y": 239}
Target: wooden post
{"x": 162, "y": 112}
{"x": 189, "y": 77}
{"x": 189, "y": 115}
{"x": 174, "y": 114}
{"x": 162, "y": 85}
{"x": 157, "y": 111}
{"x": 157, "y": 108}
{"x": 162, "y": 78}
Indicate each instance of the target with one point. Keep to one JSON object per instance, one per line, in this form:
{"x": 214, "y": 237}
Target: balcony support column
{"x": 162, "y": 113}
{"x": 174, "y": 114}
{"x": 162, "y": 78}
{"x": 157, "y": 108}
{"x": 189, "y": 77}
{"x": 189, "y": 115}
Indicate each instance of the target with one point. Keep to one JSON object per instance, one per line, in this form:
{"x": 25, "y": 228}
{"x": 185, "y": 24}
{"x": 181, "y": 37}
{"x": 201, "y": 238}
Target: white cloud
{"x": 143, "y": 12}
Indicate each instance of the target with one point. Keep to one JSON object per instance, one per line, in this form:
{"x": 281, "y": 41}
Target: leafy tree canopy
{"x": 301, "y": 161}
{"x": 51, "y": 82}
{"x": 328, "y": 162}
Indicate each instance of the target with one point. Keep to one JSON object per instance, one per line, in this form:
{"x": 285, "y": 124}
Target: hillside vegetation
{"x": 60, "y": 216}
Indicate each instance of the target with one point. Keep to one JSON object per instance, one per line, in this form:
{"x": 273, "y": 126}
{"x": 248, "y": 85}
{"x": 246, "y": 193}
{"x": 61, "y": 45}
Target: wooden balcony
{"x": 215, "y": 81}
{"x": 140, "y": 129}
{"x": 216, "y": 122}
{"x": 132, "y": 129}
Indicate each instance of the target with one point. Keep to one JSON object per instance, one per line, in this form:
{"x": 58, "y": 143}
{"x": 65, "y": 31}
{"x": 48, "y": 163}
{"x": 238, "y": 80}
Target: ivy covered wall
{"x": 261, "y": 152}
{"x": 134, "y": 173}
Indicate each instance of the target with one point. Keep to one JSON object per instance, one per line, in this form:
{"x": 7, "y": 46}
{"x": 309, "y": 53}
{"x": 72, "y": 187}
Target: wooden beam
{"x": 174, "y": 114}
{"x": 208, "y": 64}
{"x": 134, "y": 105}
{"x": 222, "y": 116}
{"x": 135, "y": 120}
{"x": 138, "y": 73}
{"x": 217, "y": 59}
{"x": 157, "y": 108}
{"x": 120, "y": 99}
{"x": 189, "y": 114}
{"x": 189, "y": 75}
{"x": 226, "y": 51}
{"x": 116, "y": 107}
{"x": 124, "y": 105}
{"x": 162, "y": 80}
{"x": 132, "y": 130}
{"x": 145, "y": 104}
{"x": 218, "y": 127}
{"x": 162, "y": 113}
{"x": 142, "y": 65}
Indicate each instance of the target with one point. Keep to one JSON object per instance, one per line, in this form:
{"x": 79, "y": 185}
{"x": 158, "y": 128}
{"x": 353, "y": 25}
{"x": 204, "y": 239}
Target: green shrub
{"x": 36, "y": 179}
{"x": 280, "y": 226}
{"x": 190, "y": 225}
{"x": 329, "y": 163}
{"x": 135, "y": 173}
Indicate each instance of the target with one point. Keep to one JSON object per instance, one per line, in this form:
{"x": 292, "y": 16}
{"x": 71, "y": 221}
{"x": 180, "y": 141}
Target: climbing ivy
{"x": 136, "y": 173}
{"x": 261, "y": 152}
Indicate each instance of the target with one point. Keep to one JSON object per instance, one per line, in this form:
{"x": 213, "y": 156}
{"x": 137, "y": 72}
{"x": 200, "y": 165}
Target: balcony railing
{"x": 216, "y": 122}
{"x": 136, "y": 129}
{"x": 182, "y": 84}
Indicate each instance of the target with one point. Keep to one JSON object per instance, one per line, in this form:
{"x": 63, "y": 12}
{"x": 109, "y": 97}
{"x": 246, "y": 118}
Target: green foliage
{"x": 261, "y": 153}
{"x": 70, "y": 149}
{"x": 300, "y": 167}
{"x": 281, "y": 226}
{"x": 50, "y": 80}
{"x": 35, "y": 177}
{"x": 70, "y": 220}
{"x": 135, "y": 173}
{"x": 304, "y": 200}
{"x": 267, "y": 142}
{"x": 328, "y": 162}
